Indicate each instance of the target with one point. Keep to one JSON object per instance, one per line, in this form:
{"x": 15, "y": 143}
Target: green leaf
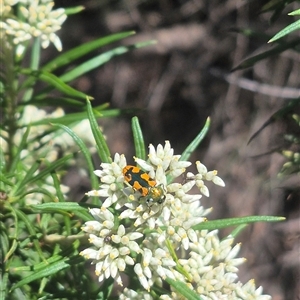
{"x": 84, "y": 215}
{"x": 183, "y": 289}
{"x": 34, "y": 65}
{"x": 278, "y": 115}
{"x": 106, "y": 289}
{"x": 46, "y": 272}
{"x": 21, "y": 147}
{"x": 13, "y": 236}
{"x": 138, "y": 139}
{"x": 84, "y": 49}
{"x": 223, "y": 223}
{"x": 238, "y": 230}
{"x": 55, "y": 82}
{"x": 55, "y": 101}
{"x": 63, "y": 206}
{"x": 249, "y": 62}
{"x": 114, "y": 112}
{"x": 31, "y": 177}
{"x": 57, "y": 187}
{"x": 72, "y": 118}
{"x": 6, "y": 240}
{"x": 276, "y": 7}
{"x": 46, "y": 171}
{"x": 2, "y": 160}
{"x": 292, "y": 27}
{"x": 85, "y": 152}
{"x": 12, "y": 249}
{"x": 99, "y": 61}
{"x": 31, "y": 230}
{"x": 74, "y": 10}
{"x": 4, "y": 179}
{"x": 195, "y": 143}
{"x": 103, "y": 150}
{"x": 66, "y": 119}
{"x": 4, "y": 283}
{"x": 66, "y": 252}
{"x": 295, "y": 12}
{"x": 39, "y": 191}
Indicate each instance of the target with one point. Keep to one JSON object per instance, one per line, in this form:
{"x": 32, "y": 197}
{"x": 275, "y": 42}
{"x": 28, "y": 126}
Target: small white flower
{"x": 249, "y": 291}
{"x": 38, "y": 20}
{"x": 114, "y": 246}
{"x": 142, "y": 278}
{"x": 5, "y": 7}
{"x": 156, "y": 264}
{"x": 112, "y": 179}
{"x": 203, "y": 175}
{"x": 207, "y": 265}
{"x": 128, "y": 294}
{"x": 161, "y": 163}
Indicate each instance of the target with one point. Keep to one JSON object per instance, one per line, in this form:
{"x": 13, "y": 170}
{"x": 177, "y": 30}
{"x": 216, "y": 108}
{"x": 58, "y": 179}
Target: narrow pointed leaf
{"x": 57, "y": 164}
{"x": 195, "y": 143}
{"x": 5, "y": 180}
{"x": 48, "y": 271}
{"x": 277, "y": 115}
{"x": 295, "y": 12}
{"x": 238, "y": 230}
{"x": 13, "y": 236}
{"x": 29, "y": 175}
{"x": 292, "y": 27}
{"x": 56, "y": 183}
{"x": 32, "y": 232}
{"x": 138, "y": 139}
{"x": 103, "y": 150}
{"x": 65, "y": 206}
{"x": 72, "y": 118}
{"x": 74, "y": 10}
{"x": 55, "y": 101}
{"x": 249, "y": 62}
{"x": 82, "y": 50}
{"x": 21, "y": 147}
{"x": 223, "y": 223}
{"x": 183, "y": 289}
{"x": 55, "y": 82}
{"x": 39, "y": 191}
{"x": 99, "y": 60}
{"x": 85, "y": 153}
{"x": 4, "y": 283}
{"x": 34, "y": 65}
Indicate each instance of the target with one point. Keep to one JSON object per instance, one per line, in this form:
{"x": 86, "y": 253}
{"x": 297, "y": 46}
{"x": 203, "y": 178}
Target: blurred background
{"x": 174, "y": 85}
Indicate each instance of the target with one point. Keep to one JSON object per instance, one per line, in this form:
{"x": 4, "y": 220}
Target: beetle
{"x": 141, "y": 181}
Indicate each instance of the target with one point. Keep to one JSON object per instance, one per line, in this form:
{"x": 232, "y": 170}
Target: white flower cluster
{"x": 46, "y": 146}
{"x": 144, "y": 238}
{"x": 37, "y": 19}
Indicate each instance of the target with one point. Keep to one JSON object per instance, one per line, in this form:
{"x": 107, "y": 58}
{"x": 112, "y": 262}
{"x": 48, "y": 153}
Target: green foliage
{"x": 183, "y": 289}
{"x": 287, "y": 113}
{"x": 292, "y": 152}
{"x": 40, "y": 228}
{"x": 276, "y": 7}
{"x": 41, "y": 236}
{"x": 224, "y": 223}
{"x": 288, "y": 29}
